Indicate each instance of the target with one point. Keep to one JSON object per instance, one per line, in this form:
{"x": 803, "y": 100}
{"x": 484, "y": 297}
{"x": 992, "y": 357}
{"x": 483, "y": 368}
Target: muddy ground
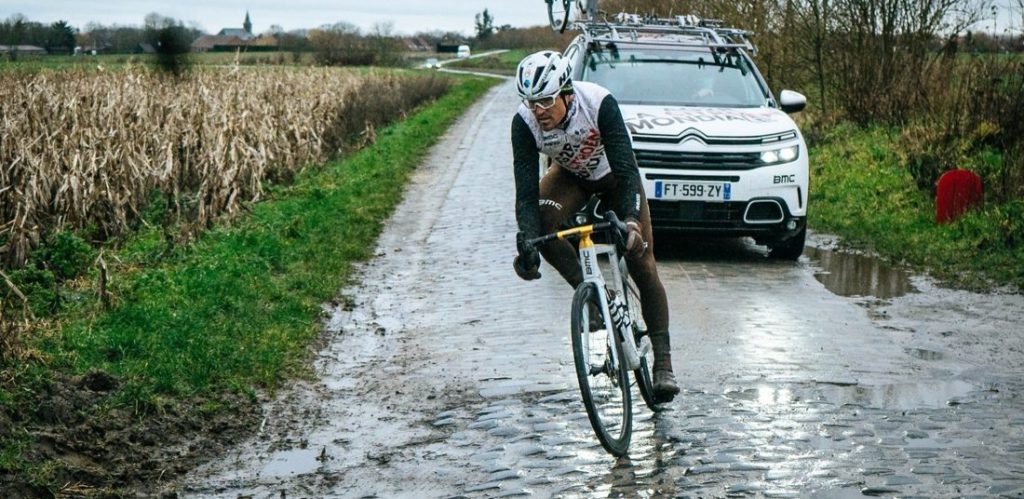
{"x": 835, "y": 376}
{"x": 114, "y": 454}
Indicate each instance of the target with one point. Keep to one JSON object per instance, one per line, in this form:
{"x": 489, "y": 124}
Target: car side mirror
{"x": 792, "y": 102}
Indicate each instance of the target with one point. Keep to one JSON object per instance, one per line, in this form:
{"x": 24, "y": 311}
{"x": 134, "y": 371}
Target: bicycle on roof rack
{"x": 562, "y": 13}
{"x": 583, "y": 15}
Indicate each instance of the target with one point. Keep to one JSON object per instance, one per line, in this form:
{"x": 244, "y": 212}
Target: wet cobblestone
{"x": 789, "y": 390}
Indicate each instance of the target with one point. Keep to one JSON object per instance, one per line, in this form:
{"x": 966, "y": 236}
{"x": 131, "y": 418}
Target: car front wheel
{"x": 789, "y": 249}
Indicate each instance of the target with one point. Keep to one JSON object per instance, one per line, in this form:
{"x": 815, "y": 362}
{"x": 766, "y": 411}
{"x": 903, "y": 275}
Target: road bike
{"x": 607, "y": 331}
{"x": 561, "y": 13}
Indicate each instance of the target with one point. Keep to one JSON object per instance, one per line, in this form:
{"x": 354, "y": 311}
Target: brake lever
{"x": 621, "y": 231}
{"x": 613, "y": 219}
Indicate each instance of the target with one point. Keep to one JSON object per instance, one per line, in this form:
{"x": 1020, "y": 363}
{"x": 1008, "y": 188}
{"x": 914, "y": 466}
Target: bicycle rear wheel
{"x": 642, "y": 374}
{"x": 558, "y": 14}
{"x": 604, "y": 386}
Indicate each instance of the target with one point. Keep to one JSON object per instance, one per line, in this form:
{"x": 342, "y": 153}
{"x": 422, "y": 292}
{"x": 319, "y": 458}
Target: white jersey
{"x": 577, "y": 147}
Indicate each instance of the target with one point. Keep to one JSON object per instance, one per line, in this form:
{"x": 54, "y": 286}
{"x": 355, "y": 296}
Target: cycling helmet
{"x": 543, "y": 75}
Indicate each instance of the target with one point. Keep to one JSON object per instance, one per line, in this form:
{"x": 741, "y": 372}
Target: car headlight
{"x": 784, "y": 155}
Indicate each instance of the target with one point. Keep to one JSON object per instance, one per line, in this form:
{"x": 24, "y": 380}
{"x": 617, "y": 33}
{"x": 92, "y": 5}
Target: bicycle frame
{"x": 608, "y": 370}
{"x": 589, "y": 253}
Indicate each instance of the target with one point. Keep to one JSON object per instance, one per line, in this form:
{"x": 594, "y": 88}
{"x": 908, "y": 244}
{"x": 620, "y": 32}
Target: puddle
{"x": 292, "y": 462}
{"x": 900, "y": 396}
{"x": 848, "y": 274}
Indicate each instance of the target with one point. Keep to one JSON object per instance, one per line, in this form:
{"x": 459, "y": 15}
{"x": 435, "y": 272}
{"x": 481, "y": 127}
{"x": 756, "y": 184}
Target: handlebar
{"x": 611, "y": 223}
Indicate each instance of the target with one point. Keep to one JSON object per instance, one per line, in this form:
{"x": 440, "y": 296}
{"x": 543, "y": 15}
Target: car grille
{"x": 700, "y": 212}
{"x": 698, "y": 160}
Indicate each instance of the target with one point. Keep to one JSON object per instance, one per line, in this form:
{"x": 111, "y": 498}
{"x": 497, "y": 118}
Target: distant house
{"x": 22, "y": 49}
{"x": 231, "y": 39}
{"x": 217, "y": 43}
{"x": 145, "y": 48}
{"x": 236, "y": 32}
{"x": 417, "y": 44}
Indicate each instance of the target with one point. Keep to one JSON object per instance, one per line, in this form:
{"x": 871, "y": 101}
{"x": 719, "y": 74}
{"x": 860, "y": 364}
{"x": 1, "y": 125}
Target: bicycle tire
{"x": 558, "y": 18}
{"x": 606, "y": 396}
{"x": 642, "y": 374}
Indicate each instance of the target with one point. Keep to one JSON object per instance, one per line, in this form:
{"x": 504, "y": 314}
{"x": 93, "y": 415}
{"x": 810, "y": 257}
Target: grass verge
{"x": 504, "y": 63}
{"x": 862, "y": 192}
{"x": 233, "y": 312}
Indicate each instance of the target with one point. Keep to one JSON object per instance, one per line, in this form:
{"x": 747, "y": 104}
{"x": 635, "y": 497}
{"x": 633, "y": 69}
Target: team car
{"x": 718, "y": 153}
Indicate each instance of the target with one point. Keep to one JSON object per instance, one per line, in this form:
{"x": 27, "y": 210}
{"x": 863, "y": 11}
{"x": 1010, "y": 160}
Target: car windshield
{"x": 676, "y": 77}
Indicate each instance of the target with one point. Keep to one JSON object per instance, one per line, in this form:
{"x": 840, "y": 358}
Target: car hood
{"x": 669, "y": 121}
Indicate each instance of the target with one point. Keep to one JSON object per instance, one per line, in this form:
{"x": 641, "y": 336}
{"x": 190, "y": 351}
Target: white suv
{"x": 717, "y": 152}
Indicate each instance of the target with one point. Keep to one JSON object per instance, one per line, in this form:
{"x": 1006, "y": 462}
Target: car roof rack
{"x": 704, "y": 33}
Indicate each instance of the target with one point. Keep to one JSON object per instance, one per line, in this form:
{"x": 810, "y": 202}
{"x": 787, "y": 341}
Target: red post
{"x": 958, "y": 191}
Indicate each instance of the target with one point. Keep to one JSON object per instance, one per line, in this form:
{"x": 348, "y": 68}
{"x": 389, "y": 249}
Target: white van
{"x": 463, "y": 52}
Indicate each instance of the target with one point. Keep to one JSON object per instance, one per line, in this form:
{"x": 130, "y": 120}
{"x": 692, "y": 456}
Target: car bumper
{"x": 762, "y": 218}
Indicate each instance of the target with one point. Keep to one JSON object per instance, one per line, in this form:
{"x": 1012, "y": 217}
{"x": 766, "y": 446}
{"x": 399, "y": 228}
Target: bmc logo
{"x": 784, "y": 179}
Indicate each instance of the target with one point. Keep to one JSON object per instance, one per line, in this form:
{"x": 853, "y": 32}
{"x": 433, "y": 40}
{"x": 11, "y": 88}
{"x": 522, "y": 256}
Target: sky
{"x": 407, "y": 16}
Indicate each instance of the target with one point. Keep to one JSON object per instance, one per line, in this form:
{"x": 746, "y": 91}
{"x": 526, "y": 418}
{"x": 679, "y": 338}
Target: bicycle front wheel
{"x": 604, "y": 382}
{"x": 558, "y": 14}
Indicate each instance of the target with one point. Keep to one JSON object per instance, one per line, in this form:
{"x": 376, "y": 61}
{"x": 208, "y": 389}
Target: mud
{"x": 835, "y": 376}
{"x": 110, "y": 453}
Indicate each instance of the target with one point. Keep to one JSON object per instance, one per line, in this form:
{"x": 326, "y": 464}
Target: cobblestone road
{"x": 444, "y": 375}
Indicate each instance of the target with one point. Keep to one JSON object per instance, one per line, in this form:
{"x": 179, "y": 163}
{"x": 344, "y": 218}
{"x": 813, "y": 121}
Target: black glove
{"x": 527, "y": 265}
{"x": 527, "y": 262}
{"x": 635, "y": 244}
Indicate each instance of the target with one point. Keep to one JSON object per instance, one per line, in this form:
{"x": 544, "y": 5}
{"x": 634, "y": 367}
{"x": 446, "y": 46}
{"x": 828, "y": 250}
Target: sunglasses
{"x": 545, "y": 103}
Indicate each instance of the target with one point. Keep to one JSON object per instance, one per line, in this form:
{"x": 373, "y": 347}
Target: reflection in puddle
{"x": 847, "y": 274}
{"x": 897, "y": 396}
{"x": 900, "y": 396}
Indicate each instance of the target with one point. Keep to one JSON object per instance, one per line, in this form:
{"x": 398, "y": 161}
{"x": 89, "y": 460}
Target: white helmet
{"x": 543, "y": 75}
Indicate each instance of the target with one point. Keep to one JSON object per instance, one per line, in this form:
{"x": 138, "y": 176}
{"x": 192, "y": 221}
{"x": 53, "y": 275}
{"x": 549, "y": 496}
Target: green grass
{"x": 239, "y": 308}
{"x": 503, "y": 63}
{"x": 861, "y": 192}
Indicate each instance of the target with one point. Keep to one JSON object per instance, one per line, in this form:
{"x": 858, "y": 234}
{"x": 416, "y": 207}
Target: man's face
{"x": 549, "y": 117}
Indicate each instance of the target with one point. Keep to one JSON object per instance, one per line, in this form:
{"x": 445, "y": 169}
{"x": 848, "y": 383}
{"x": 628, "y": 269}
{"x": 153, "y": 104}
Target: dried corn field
{"x": 91, "y": 150}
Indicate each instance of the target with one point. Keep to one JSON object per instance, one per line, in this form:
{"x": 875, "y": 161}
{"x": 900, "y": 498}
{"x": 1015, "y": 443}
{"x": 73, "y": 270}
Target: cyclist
{"x": 578, "y": 125}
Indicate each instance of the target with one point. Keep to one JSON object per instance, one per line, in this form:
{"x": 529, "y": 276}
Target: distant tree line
{"x": 340, "y": 43}
{"x": 533, "y": 38}
{"x": 56, "y": 38}
{"x": 867, "y": 58}
{"x": 61, "y": 38}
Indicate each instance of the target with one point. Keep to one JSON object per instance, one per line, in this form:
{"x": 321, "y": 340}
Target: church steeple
{"x": 247, "y": 25}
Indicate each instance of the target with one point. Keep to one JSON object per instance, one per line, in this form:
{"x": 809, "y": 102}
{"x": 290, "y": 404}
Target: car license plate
{"x": 702, "y": 191}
